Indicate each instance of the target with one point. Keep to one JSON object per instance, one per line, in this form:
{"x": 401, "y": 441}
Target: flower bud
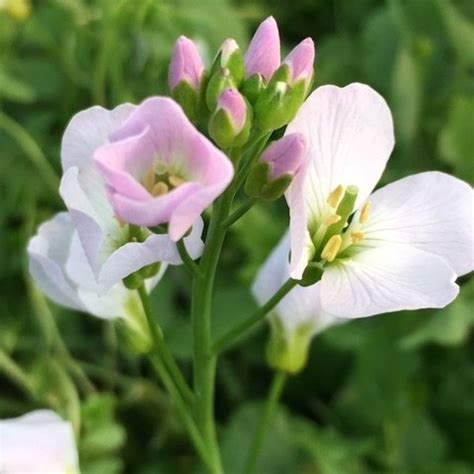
{"x": 288, "y": 351}
{"x": 263, "y": 54}
{"x": 278, "y": 103}
{"x": 230, "y": 123}
{"x": 220, "y": 80}
{"x": 230, "y": 57}
{"x": 300, "y": 62}
{"x": 277, "y": 166}
{"x": 252, "y": 87}
{"x": 185, "y": 75}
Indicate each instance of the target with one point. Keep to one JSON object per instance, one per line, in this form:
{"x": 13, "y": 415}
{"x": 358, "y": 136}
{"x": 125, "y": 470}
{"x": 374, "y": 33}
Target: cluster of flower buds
{"x": 242, "y": 90}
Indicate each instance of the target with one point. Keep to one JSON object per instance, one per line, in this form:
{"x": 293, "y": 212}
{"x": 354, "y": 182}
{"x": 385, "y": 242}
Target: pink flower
{"x": 110, "y": 250}
{"x": 286, "y": 155}
{"x": 159, "y": 169}
{"x": 186, "y": 64}
{"x": 300, "y": 60}
{"x": 263, "y": 54}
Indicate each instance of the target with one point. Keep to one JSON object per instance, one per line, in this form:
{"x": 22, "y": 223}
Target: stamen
{"x": 149, "y": 180}
{"x": 332, "y": 219}
{"x": 364, "y": 213}
{"x": 335, "y": 196}
{"x": 357, "y": 237}
{"x": 160, "y": 189}
{"x": 331, "y": 248}
{"x": 175, "y": 181}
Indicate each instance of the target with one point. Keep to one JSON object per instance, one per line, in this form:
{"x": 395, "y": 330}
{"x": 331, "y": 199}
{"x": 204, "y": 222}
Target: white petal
{"x": 431, "y": 211}
{"x": 37, "y": 442}
{"x": 48, "y": 253}
{"x": 302, "y": 305}
{"x": 349, "y": 135}
{"x": 389, "y": 278}
{"x": 156, "y": 248}
{"x": 87, "y": 130}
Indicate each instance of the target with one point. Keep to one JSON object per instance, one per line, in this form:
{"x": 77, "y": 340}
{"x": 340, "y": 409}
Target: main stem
{"x": 204, "y": 360}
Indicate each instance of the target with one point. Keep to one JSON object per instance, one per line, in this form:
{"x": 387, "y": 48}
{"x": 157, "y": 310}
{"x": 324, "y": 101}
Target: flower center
{"x": 331, "y": 237}
{"x": 160, "y": 180}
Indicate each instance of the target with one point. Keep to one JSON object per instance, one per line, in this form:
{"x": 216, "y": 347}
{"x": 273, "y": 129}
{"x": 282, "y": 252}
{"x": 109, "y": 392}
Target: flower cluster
{"x": 137, "y": 179}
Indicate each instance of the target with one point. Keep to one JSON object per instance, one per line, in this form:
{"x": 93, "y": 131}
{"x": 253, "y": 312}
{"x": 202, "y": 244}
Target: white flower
{"x": 408, "y": 241}
{"x": 113, "y": 249}
{"x": 39, "y": 442}
{"x": 59, "y": 267}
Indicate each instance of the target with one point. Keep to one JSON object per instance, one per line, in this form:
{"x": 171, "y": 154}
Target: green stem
{"x": 256, "y": 146}
{"x": 31, "y": 149}
{"x": 182, "y": 410}
{"x": 229, "y": 339}
{"x": 204, "y": 360}
{"x": 239, "y": 212}
{"x": 15, "y": 373}
{"x": 164, "y": 353}
{"x": 189, "y": 263}
{"x": 274, "y": 394}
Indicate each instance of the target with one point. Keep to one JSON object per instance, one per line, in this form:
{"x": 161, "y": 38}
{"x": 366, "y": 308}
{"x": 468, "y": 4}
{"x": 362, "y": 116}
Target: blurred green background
{"x": 390, "y": 394}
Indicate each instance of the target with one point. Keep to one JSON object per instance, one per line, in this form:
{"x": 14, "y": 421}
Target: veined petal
{"x": 431, "y": 211}
{"x": 48, "y": 253}
{"x": 349, "y": 135}
{"x": 156, "y": 248}
{"x": 87, "y": 130}
{"x": 390, "y": 278}
{"x": 301, "y": 307}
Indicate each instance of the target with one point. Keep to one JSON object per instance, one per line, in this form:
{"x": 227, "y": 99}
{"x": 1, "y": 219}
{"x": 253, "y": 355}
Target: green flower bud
{"x": 252, "y": 88}
{"x": 230, "y": 57}
{"x": 287, "y": 351}
{"x": 218, "y": 82}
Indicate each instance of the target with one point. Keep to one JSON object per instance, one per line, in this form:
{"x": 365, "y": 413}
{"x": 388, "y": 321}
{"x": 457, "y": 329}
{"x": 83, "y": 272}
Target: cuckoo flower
{"x": 160, "y": 170}
{"x": 60, "y": 268}
{"x": 407, "y": 242}
{"x": 39, "y": 441}
{"x": 114, "y": 250}
{"x": 186, "y": 64}
{"x": 297, "y": 318}
{"x": 263, "y": 54}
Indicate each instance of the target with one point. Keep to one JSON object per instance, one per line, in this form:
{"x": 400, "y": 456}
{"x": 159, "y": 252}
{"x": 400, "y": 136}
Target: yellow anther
{"x": 332, "y": 219}
{"x": 357, "y": 237}
{"x": 160, "y": 189}
{"x": 133, "y": 239}
{"x": 149, "y": 180}
{"x": 364, "y": 213}
{"x": 331, "y": 248}
{"x": 175, "y": 181}
{"x": 335, "y": 196}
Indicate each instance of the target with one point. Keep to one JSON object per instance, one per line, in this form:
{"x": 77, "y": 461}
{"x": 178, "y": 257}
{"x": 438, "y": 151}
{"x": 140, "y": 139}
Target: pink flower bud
{"x": 300, "y": 60}
{"x": 286, "y": 155}
{"x": 263, "y": 54}
{"x": 186, "y": 64}
{"x": 233, "y": 104}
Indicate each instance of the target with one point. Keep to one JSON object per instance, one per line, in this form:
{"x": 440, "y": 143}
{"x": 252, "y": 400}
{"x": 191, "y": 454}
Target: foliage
{"x": 390, "y": 394}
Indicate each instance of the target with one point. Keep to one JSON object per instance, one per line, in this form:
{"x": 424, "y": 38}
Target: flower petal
{"x": 382, "y": 280}
{"x": 302, "y": 305}
{"x": 87, "y": 130}
{"x": 431, "y": 211}
{"x": 48, "y": 253}
{"x": 156, "y": 248}
{"x": 263, "y": 54}
{"x": 39, "y": 441}
{"x": 349, "y": 135}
